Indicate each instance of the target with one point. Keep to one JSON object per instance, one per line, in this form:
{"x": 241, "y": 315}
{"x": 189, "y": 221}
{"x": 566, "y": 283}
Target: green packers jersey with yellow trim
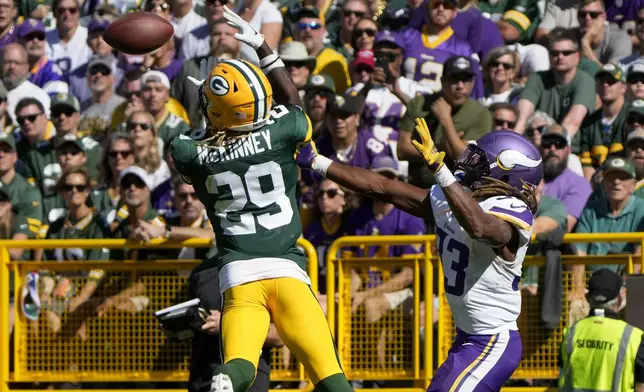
{"x": 524, "y": 15}
{"x": 248, "y": 187}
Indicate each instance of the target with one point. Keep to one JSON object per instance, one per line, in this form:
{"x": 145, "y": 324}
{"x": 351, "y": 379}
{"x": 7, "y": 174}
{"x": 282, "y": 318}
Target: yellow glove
{"x": 427, "y": 148}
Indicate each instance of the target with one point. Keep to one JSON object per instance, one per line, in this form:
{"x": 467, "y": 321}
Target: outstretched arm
{"x": 478, "y": 224}
{"x": 404, "y": 196}
{"x": 284, "y": 88}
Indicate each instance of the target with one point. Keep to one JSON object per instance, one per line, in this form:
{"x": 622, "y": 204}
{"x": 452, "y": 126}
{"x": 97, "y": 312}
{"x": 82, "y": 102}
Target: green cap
{"x": 614, "y": 70}
{"x": 68, "y": 138}
{"x": 8, "y": 138}
{"x": 64, "y": 99}
{"x": 619, "y": 164}
{"x": 636, "y": 107}
{"x": 320, "y": 82}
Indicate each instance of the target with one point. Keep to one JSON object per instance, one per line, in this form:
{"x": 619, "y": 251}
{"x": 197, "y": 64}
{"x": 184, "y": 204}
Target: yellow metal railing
{"x": 118, "y": 347}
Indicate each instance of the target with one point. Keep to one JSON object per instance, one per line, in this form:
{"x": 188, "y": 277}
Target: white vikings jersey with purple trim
{"x": 482, "y": 289}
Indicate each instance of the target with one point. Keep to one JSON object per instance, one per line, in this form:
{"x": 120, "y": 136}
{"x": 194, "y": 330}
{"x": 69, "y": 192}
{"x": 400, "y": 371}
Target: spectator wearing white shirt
{"x": 67, "y": 44}
{"x": 185, "y": 18}
{"x": 266, "y": 19}
{"x": 15, "y": 72}
{"x": 197, "y": 42}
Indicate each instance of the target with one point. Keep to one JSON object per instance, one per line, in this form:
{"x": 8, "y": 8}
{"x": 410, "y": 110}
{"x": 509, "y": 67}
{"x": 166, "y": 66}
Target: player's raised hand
{"x": 427, "y": 147}
{"x": 247, "y": 33}
{"x": 305, "y": 156}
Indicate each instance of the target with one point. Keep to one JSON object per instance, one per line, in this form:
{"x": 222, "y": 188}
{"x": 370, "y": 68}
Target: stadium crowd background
{"x": 84, "y": 150}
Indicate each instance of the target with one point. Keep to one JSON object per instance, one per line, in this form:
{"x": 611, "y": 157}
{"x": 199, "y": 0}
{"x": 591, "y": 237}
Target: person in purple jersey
{"x": 483, "y": 222}
{"x": 331, "y": 206}
{"x": 620, "y": 11}
{"x": 32, "y": 36}
{"x": 8, "y": 28}
{"x": 346, "y": 142}
{"x": 425, "y": 51}
{"x": 469, "y": 25}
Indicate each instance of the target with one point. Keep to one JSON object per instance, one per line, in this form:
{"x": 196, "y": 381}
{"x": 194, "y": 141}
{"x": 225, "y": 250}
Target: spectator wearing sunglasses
{"x": 499, "y": 74}
{"x": 70, "y": 154}
{"x": 43, "y": 70}
{"x": 638, "y": 50}
{"x": 601, "y": 42}
{"x": 79, "y": 222}
{"x": 148, "y": 155}
{"x": 343, "y": 39}
{"x": 197, "y": 42}
{"x": 189, "y": 221}
{"x": 362, "y": 66}
{"x": 451, "y": 114}
{"x": 68, "y": 42}
{"x": 504, "y": 116}
{"x": 319, "y": 96}
{"x": 603, "y": 132}
{"x": 537, "y": 123}
{"x": 97, "y": 111}
{"x": 118, "y": 156}
{"x": 564, "y": 93}
{"x": 364, "y": 35}
{"x": 15, "y": 74}
{"x": 572, "y": 189}
{"x": 635, "y": 81}
{"x": 310, "y": 31}
{"x": 78, "y": 84}
{"x": 298, "y": 62}
{"x": 25, "y": 198}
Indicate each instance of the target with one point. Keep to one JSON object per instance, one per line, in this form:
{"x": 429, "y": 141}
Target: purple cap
{"x": 30, "y": 26}
{"x": 97, "y": 25}
{"x": 385, "y": 163}
{"x": 387, "y": 36}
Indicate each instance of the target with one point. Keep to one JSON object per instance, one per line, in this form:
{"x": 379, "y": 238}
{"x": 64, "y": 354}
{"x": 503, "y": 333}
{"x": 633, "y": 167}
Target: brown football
{"x": 138, "y": 33}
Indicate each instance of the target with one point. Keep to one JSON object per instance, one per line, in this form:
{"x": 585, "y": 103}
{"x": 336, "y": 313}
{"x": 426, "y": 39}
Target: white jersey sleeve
{"x": 482, "y": 289}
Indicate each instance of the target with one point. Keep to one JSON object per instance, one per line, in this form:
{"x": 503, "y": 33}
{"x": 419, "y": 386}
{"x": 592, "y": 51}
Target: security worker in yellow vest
{"x": 601, "y": 352}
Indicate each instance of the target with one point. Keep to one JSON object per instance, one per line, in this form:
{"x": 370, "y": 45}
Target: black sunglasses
{"x": 506, "y": 66}
{"x": 34, "y": 36}
{"x": 593, "y": 14}
{"x": 31, "y": 118}
{"x": 386, "y": 56}
{"x": 358, "y": 14}
{"x": 369, "y": 32}
{"x": 558, "y": 143}
{"x": 499, "y": 122}
{"x": 635, "y": 118}
{"x": 184, "y": 195}
{"x": 330, "y": 193}
{"x": 70, "y": 187}
{"x": 566, "y": 53}
{"x": 59, "y": 112}
{"x": 103, "y": 70}
{"x": 144, "y": 126}
{"x": 116, "y": 153}
{"x": 532, "y": 130}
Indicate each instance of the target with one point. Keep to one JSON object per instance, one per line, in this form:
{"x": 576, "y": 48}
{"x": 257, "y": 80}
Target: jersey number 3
{"x": 230, "y": 206}
{"x": 457, "y": 255}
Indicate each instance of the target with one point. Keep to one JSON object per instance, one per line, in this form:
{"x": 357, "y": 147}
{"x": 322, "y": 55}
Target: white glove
{"x": 247, "y": 34}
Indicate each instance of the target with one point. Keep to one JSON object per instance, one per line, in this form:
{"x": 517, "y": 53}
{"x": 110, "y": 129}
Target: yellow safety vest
{"x": 599, "y": 355}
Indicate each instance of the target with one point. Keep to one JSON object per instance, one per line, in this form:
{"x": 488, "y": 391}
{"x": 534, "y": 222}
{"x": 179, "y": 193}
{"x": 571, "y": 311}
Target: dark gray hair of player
{"x": 559, "y": 34}
{"x": 107, "y": 177}
{"x": 23, "y": 103}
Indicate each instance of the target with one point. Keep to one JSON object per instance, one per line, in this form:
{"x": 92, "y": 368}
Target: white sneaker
{"x": 221, "y": 383}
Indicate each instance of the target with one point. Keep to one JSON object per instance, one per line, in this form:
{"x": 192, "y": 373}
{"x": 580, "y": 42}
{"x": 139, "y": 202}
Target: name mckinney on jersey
{"x": 254, "y": 143}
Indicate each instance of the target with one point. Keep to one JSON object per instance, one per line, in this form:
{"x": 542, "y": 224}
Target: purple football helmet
{"x": 504, "y": 155}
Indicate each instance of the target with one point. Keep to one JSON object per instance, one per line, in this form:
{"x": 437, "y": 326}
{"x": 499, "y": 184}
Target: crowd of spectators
{"x": 83, "y": 152}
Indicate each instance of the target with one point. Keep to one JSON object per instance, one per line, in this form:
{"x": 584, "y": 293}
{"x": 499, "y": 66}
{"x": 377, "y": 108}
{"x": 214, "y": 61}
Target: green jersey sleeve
{"x": 533, "y": 89}
{"x": 184, "y": 151}
{"x": 303, "y": 127}
{"x": 29, "y": 212}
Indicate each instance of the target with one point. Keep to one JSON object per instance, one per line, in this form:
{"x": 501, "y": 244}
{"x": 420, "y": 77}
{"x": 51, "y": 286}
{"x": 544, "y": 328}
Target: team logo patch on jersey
{"x": 219, "y": 86}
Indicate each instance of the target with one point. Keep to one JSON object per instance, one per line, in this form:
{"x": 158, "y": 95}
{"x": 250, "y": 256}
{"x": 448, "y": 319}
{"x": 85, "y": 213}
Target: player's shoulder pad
{"x": 509, "y": 209}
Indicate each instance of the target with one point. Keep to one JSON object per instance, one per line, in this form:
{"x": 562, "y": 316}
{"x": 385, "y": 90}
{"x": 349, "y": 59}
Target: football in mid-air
{"x": 138, "y": 33}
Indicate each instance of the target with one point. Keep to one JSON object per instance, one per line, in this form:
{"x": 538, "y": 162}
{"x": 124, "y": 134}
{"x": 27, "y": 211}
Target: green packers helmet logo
{"x": 219, "y": 86}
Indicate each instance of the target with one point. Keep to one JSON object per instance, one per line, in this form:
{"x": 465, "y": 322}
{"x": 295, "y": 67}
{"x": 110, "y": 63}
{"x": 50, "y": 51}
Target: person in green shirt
{"x": 618, "y": 212}
{"x": 563, "y": 92}
{"x": 452, "y": 116}
{"x": 517, "y": 19}
{"x": 25, "y": 198}
{"x": 635, "y": 152}
{"x": 603, "y": 132}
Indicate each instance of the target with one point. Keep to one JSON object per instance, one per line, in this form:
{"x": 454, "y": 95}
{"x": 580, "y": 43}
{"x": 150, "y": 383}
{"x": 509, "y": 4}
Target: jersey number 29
{"x": 243, "y": 190}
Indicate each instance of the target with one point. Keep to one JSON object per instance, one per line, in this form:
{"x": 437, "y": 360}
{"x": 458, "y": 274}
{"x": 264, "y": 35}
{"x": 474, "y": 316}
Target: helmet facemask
{"x": 474, "y": 165}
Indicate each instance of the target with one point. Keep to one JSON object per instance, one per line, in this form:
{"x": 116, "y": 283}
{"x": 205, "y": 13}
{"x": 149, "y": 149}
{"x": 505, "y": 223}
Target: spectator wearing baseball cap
{"x": 618, "y": 212}
{"x": 635, "y": 81}
{"x": 635, "y": 115}
{"x": 96, "y": 112}
{"x": 310, "y": 30}
{"x": 42, "y": 70}
{"x": 362, "y": 66}
{"x": 603, "y": 131}
{"x": 298, "y": 62}
{"x": 319, "y": 95}
{"x": 452, "y": 115}
{"x": 602, "y": 352}
{"x": 635, "y": 152}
